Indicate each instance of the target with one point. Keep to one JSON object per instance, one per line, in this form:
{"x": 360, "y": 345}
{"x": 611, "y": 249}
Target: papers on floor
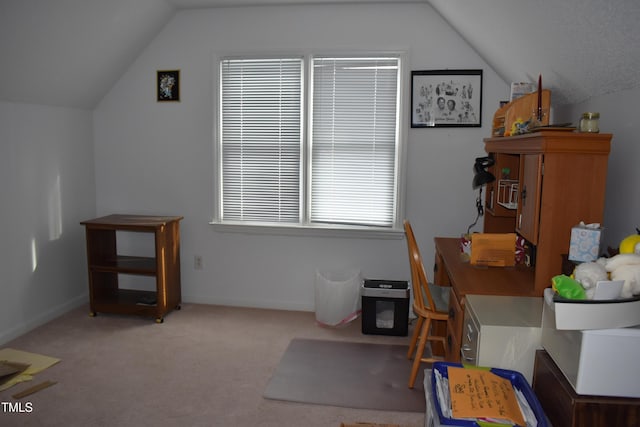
{"x": 31, "y": 364}
{"x": 481, "y": 395}
{"x": 10, "y": 370}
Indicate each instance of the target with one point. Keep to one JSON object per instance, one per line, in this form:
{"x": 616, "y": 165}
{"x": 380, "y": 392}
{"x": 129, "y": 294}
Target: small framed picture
{"x": 168, "y": 85}
{"x": 446, "y": 98}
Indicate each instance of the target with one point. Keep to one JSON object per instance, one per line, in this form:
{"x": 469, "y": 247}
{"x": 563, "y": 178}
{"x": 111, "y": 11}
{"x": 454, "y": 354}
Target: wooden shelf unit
{"x": 562, "y": 180}
{"x": 105, "y": 264}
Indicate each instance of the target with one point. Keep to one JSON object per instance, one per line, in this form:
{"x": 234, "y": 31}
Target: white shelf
{"x": 508, "y": 193}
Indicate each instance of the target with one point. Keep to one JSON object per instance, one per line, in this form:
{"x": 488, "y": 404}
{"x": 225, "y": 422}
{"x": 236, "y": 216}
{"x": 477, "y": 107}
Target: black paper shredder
{"x": 385, "y": 307}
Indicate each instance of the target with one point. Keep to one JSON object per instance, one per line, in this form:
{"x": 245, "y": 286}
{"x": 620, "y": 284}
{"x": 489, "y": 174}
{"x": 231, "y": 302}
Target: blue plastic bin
{"x": 517, "y": 380}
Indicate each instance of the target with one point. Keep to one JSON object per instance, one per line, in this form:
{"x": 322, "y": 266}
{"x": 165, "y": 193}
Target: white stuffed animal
{"x": 625, "y": 267}
{"x": 590, "y": 273}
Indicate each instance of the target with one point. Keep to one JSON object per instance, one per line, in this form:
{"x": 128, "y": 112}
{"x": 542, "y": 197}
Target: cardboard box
{"x": 598, "y": 362}
{"x": 584, "y": 245}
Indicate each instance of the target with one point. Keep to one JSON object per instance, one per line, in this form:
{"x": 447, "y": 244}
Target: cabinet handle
{"x": 524, "y": 195}
{"x": 465, "y": 357}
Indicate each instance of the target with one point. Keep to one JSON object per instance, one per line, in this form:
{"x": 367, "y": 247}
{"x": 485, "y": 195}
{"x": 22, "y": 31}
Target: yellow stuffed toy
{"x": 631, "y": 244}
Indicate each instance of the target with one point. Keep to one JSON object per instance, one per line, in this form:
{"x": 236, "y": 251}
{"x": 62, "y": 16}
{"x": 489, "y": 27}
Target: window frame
{"x": 305, "y": 227}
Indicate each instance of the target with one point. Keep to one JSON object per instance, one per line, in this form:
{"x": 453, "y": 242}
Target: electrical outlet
{"x": 197, "y": 262}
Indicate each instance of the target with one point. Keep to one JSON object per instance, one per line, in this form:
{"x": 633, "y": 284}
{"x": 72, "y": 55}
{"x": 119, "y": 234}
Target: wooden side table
{"x": 105, "y": 264}
{"x": 564, "y": 407}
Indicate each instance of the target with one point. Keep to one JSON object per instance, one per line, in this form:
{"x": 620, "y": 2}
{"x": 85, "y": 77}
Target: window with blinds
{"x": 343, "y": 171}
{"x": 261, "y": 133}
{"x": 354, "y": 137}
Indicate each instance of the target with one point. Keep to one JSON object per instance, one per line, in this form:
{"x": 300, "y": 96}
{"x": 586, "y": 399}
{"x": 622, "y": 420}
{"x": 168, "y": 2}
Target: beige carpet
{"x": 349, "y": 374}
{"x": 204, "y": 366}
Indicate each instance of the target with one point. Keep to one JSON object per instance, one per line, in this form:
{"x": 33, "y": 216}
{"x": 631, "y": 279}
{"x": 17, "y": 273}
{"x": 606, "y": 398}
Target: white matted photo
{"x": 446, "y": 98}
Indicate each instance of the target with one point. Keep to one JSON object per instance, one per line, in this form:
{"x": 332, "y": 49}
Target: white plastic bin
{"x": 337, "y": 296}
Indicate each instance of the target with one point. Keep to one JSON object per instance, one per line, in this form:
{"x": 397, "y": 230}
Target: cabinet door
{"x": 528, "y": 217}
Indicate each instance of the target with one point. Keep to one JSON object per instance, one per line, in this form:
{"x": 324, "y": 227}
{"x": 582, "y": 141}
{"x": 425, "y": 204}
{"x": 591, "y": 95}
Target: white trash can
{"x": 337, "y": 296}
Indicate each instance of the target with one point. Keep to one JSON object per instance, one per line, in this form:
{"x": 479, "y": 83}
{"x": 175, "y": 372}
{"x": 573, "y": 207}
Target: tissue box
{"x": 585, "y": 243}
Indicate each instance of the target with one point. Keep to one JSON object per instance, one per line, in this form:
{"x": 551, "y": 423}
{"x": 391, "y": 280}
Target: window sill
{"x": 311, "y": 231}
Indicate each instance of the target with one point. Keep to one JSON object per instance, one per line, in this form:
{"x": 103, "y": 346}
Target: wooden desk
{"x": 451, "y": 270}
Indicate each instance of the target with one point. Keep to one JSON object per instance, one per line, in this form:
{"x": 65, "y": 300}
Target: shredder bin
{"x": 385, "y": 307}
{"x": 337, "y": 295}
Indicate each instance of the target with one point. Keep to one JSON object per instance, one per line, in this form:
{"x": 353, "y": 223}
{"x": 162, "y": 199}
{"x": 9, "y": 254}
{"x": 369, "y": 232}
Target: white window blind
{"x": 354, "y": 141}
{"x": 261, "y": 115}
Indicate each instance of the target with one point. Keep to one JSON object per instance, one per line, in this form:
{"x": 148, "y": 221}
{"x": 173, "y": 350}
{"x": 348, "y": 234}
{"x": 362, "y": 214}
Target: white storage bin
{"x": 598, "y": 362}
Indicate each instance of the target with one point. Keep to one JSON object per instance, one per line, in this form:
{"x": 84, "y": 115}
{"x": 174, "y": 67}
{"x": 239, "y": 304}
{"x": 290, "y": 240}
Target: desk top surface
{"x": 131, "y": 221}
{"x": 471, "y": 279}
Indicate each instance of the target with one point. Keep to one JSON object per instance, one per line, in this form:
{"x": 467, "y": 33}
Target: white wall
{"x": 48, "y": 187}
{"x": 618, "y": 115}
{"x": 156, "y": 158}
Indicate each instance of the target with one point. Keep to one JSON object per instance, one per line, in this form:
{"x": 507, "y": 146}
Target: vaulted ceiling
{"x": 70, "y": 52}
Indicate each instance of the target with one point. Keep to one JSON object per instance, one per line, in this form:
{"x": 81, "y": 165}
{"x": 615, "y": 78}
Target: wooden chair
{"x": 429, "y": 308}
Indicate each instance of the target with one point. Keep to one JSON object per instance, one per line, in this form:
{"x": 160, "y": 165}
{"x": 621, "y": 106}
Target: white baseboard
{"x": 42, "y": 318}
{"x": 234, "y": 302}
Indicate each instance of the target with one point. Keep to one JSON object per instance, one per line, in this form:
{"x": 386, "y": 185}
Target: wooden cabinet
{"x": 561, "y": 181}
{"x": 564, "y": 407}
{"x": 105, "y": 265}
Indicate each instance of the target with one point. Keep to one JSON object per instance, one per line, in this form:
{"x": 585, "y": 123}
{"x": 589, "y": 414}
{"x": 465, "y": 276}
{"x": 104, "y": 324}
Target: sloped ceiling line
{"x": 71, "y": 52}
{"x": 583, "y": 48}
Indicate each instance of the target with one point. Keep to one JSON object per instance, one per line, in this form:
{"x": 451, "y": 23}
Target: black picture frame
{"x": 168, "y": 85}
{"x": 446, "y": 98}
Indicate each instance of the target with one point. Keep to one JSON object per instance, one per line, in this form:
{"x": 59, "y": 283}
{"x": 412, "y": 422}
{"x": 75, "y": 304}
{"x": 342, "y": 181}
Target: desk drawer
{"x": 470, "y": 339}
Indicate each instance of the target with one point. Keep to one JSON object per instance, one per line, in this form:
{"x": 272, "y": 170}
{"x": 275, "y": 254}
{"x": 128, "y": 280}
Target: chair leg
{"x": 414, "y": 337}
{"x": 424, "y": 332}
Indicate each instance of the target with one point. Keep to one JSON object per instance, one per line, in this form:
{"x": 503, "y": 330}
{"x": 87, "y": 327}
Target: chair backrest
{"x": 419, "y": 281}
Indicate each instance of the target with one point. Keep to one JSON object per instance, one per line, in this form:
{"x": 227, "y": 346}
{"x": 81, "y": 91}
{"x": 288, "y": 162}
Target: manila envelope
{"x": 493, "y": 249}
